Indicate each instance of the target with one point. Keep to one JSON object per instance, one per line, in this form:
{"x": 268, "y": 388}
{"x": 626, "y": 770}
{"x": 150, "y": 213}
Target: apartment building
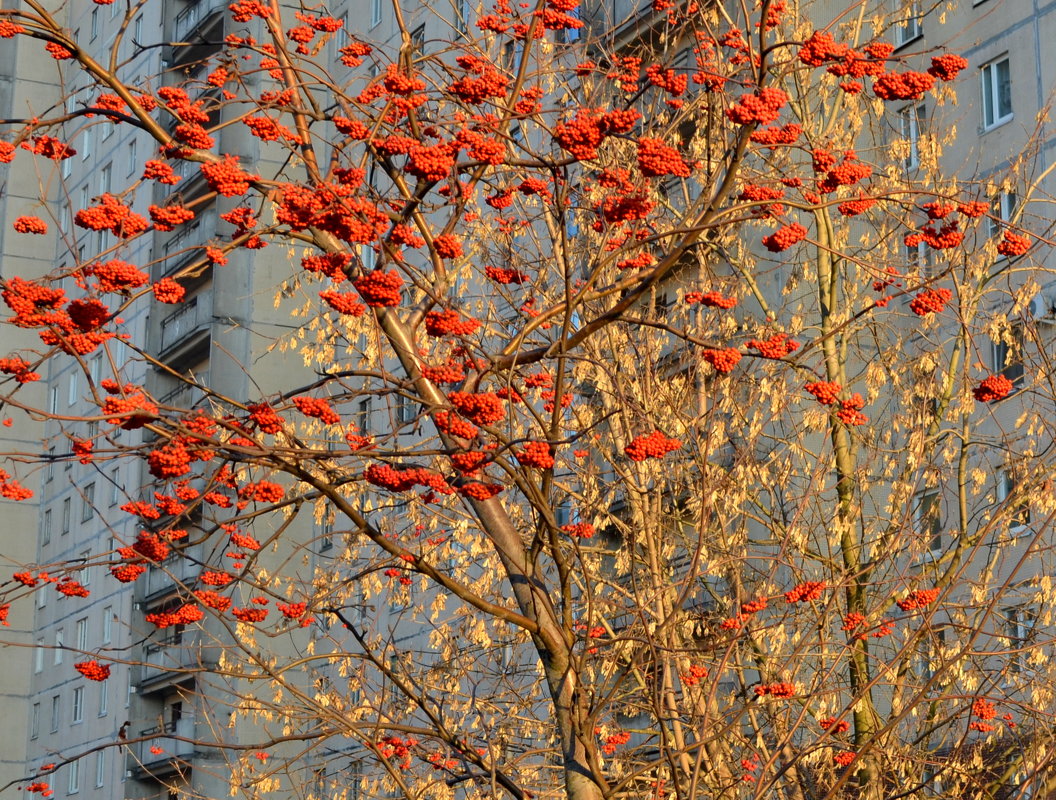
{"x": 197, "y": 348}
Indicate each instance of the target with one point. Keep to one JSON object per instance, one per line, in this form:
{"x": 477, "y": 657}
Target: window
{"x": 38, "y": 657}
{"x": 108, "y": 624}
{"x": 1015, "y": 503}
{"x": 82, "y": 634}
{"x": 997, "y": 93}
{"x": 49, "y": 472}
{"x": 53, "y": 399}
{"x": 66, "y": 505}
{"x": 418, "y": 39}
{"x": 104, "y": 698}
{"x": 115, "y": 486}
{"x": 1007, "y": 357}
{"x": 56, "y": 714}
{"x": 363, "y": 416}
{"x": 100, "y": 756}
{"x": 73, "y": 775}
{"x": 1020, "y": 622}
{"x": 911, "y": 123}
{"x": 570, "y": 35}
{"x": 78, "y": 704}
{"x": 88, "y": 502}
{"x": 45, "y": 536}
{"x": 34, "y": 722}
{"x": 909, "y": 28}
{"x": 86, "y": 144}
{"x": 71, "y": 389}
{"x": 106, "y": 180}
{"x": 132, "y": 165}
{"x": 375, "y": 13}
{"x": 1002, "y": 209}
{"x": 405, "y": 409}
{"x": 462, "y": 11}
{"x": 137, "y": 30}
{"x": 927, "y": 520}
{"x": 57, "y": 652}
{"x": 94, "y": 24}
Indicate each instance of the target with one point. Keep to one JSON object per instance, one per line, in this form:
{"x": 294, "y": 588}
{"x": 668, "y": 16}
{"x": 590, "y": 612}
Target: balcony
{"x": 187, "y": 395}
{"x": 174, "y": 658}
{"x": 185, "y": 243}
{"x": 199, "y": 24}
{"x": 164, "y": 577}
{"x": 163, "y": 750}
{"x": 186, "y": 330}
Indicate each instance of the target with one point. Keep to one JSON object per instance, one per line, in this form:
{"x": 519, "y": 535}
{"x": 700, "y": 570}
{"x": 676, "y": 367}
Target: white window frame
{"x": 1006, "y": 487}
{"x": 1002, "y": 209}
{"x": 990, "y": 86}
{"x": 56, "y": 713}
{"x": 108, "y": 625}
{"x": 911, "y": 121}
{"x": 1020, "y": 632}
{"x": 1001, "y": 356}
{"x": 71, "y": 389}
{"x": 57, "y": 653}
{"x": 45, "y": 536}
{"x": 921, "y": 504}
{"x": 910, "y": 28}
{"x": 38, "y": 656}
{"x": 115, "y": 486}
{"x": 67, "y": 513}
{"x": 82, "y": 634}
{"x": 375, "y": 13}
{"x": 73, "y": 779}
{"x": 104, "y": 698}
{"x": 78, "y": 705}
{"x": 100, "y": 757}
{"x": 34, "y": 721}
{"x": 463, "y": 9}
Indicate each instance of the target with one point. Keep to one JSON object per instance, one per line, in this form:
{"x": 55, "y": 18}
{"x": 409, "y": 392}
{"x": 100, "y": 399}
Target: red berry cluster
{"x": 447, "y": 246}
{"x": 641, "y": 261}
{"x": 168, "y": 291}
{"x": 850, "y": 412}
{"x": 973, "y": 209}
{"x": 449, "y": 323}
{"x": 292, "y": 610}
{"x": 711, "y": 299}
{"x": 844, "y": 758}
{"x": 579, "y": 530}
{"x": 265, "y": 417}
{"x": 754, "y": 606}
{"x": 695, "y": 675}
{"x": 902, "y": 85}
{"x": 852, "y": 208}
{"x": 166, "y": 218}
{"x": 70, "y": 588}
{"x": 657, "y": 159}
{"x": 921, "y": 598}
{"x": 9, "y": 30}
{"x": 19, "y": 368}
{"x": 171, "y": 461}
{"x": 126, "y": 573}
{"x": 49, "y": 147}
{"x": 994, "y": 387}
{"x": 777, "y": 346}
{"x": 30, "y": 225}
{"x": 536, "y": 455}
{"x": 930, "y": 301}
{"x": 614, "y": 740}
{"x": 213, "y": 600}
{"x": 161, "y": 172}
{"x": 946, "y": 67}
{"x": 650, "y": 445}
{"x": 763, "y": 107}
{"x": 343, "y": 302}
{"x": 777, "y": 135}
{"x": 826, "y": 392}
{"x": 93, "y": 670}
{"x": 583, "y": 134}
{"x": 402, "y": 480}
{"x": 480, "y": 491}
{"x": 722, "y": 361}
{"x": 505, "y": 276}
{"x": 262, "y": 492}
{"x": 117, "y": 276}
{"x": 946, "y": 237}
{"x": 778, "y": 690}
{"x": 57, "y": 51}
{"x": 245, "y": 10}
{"x": 111, "y": 215}
{"x": 820, "y": 48}
{"x": 249, "y": 615}
{"x": 379, "y": 289}
{"x": 317, "y": 407}
{"x": 1013, "y": 244}
{"x": 227, "y": 177}
{"x": 186, "y": 614}
{"x": 833, "y": 725}
{"x": 452, "y": 424}
{"x": 785, "y": 237}
{"x": 805, "y": 592}
{"x": 213, "y": 578}
{"x": 131, "y": 412}
{"x": 484, "y": 408}
{"x": 852, "y": 621}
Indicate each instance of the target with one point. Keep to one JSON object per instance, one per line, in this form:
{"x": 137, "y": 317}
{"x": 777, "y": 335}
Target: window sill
{"x": 906, "y": 42}
{"x": 998, "y": 124}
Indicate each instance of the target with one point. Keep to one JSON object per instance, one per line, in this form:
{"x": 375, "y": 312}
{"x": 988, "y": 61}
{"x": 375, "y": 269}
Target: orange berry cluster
{"x": 30, "y": 225}
{"x": 805, "y": 592}
{"x": 992, "y": 388}
{"x": 907, "y": 85}
{"x": 317, "y": 407}
{"x": 650, "y": 445}
{"x": 1013, "y": 244}
{"x": 166, "y": 218}
{"x": 777, "y": 346}
{"x": 117, "y": 276}
{"x": 850, "y": 412}
{"x": 785, "y": 237}
{"x": 777, "y": 135}
{"x": 111, "y": 215}
{"x": 186, "y": 614}
{"x": 387, "y": 477}
{"x": 213, "y": 600}
{"x": 379, "y": 288}
{"x": 946, "y": 67}
{"x": 71, "y": 588}
{"x": 778, "y": 690}
{"x": 921, "y": 598}
{"x": 657, "y": 159}
{"x": 227, "y": 177}
{"x": 19, "y": 368}
{"x": 826, "y": 392}
{"x": 249, "y": 614}
{"x": 722, "y": 361}
{"x": 171, "y": 461}
{"x": 168, "y": 291}
{"x": 484, "y": 408}
{"x": 131, "y": 412}
{"x": 833, "y": 725}
{"x": 343, "y": 302}
{"x": 930, "y": 301}
{"x": 763, "y": 107}
{"x": 447, "y": 422}
{"x": 265, "y": 417}
{"x": 93, "y": 670}
{"x": 579, "y": 530}
{"x": 536, "y": 455}
{"x": 449, "y": 323}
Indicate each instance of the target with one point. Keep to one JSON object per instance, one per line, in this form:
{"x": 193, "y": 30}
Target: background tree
{"x": 642, "y": 446}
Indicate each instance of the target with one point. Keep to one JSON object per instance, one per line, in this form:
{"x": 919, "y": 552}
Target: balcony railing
{"x": 186, "y": 395}
{"x": 186, "y": 240}
{"x": 179, "y": 652}
{"x": 193, "y": 316}
{"x": 179, "y": 568}
{"x": 165, "y": 748}
{"x": 193, "y": 16}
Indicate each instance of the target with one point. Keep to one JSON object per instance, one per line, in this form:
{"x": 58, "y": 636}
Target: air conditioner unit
{"x": 1041, "y": 308}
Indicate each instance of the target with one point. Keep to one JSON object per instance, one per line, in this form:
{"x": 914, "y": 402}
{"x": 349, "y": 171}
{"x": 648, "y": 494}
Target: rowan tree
{"x": 643, "y": 445}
